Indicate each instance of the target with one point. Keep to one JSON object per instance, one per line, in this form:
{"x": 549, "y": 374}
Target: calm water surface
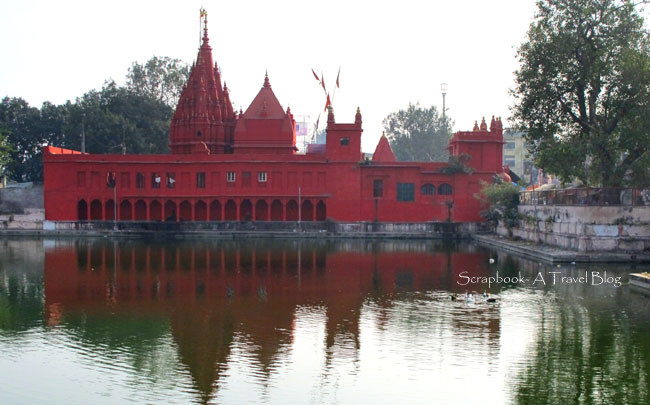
{"x": 104, "y": 322}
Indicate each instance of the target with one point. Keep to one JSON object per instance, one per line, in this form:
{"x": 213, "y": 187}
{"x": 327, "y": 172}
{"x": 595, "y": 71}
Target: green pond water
{"x": 101, "y": 321}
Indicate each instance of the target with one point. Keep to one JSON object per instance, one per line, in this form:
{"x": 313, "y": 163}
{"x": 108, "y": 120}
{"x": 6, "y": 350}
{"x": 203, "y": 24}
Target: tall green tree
{"x": 160, "y": 78}
{"x": 116, "y": 119}
{"x": 583, "y": 91}
{"x": 5, "y": 150}
{"x": 418, "y": 134}
{"x": 23, "y": 127}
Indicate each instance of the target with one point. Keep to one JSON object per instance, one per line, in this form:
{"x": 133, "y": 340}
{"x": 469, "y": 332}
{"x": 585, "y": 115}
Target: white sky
{"x": 390, "y": 52}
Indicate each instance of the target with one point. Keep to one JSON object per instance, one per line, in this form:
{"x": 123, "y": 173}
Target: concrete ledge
{"x": 551, "y": 254}
{"x": 247, "y": 230}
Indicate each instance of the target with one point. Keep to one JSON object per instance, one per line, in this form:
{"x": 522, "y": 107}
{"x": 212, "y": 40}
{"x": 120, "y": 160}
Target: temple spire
{"x": 204, "y": 16}
{"x": 267, "y": 84}
{"x": 204, "y": 112}
{"x": 383, "y": 152}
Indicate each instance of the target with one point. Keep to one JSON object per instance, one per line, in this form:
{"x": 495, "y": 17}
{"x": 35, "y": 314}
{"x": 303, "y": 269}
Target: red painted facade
{"x": 229, "y": 166}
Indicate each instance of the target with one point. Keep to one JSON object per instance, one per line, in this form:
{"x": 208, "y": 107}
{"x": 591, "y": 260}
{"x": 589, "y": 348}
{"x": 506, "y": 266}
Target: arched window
{"x": 82, "y": 210}
{"x": 321, "y": 211}
{"x": 444, "y": 189}
{"x": 428, "y": 189}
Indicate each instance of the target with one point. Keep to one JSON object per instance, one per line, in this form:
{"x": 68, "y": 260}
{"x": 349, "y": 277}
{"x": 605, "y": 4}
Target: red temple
{"x": 230, "y": 166}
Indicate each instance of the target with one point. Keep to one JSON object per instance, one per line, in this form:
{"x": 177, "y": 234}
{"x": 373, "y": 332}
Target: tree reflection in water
{"x": 229, "y": 316}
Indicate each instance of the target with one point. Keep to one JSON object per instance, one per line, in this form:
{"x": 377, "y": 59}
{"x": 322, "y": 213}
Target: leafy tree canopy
{"x": 5, "y": 149}
{"x": 115, "y": 119}
{"x": 501, "y": 199}
{"x": 160, "y": 78}
{"x": 583, "y": 91}
{"x": 418, "y": 134}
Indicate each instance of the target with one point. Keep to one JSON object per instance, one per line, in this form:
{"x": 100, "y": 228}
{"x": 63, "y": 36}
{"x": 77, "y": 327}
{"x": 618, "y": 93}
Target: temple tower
{"x": 204, "y": 120}
{"x": 485, "y": 147}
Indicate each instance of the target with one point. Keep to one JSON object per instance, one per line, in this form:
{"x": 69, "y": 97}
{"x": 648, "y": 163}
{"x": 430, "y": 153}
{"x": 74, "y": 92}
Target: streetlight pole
{"x": 115, "y": 204}
{"x": 83, "y": 134}
{"x": 299, "y": 208}
{"x": 443, "y": 89}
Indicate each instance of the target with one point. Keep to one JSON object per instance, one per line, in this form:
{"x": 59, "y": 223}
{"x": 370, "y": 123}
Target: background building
{"x": 517, "y": 157}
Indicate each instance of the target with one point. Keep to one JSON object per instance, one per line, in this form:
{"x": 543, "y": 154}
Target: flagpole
{"x": 336, "y": 85}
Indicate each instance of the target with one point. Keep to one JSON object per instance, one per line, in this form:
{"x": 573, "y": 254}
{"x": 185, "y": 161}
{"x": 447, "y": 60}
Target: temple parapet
{"x": 484, "y": 146}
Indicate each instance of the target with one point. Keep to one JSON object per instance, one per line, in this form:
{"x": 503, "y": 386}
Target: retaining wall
{"x": 585, "y": 228}
{"x": 18, "y": 198}
{"x": 430, "y": 230}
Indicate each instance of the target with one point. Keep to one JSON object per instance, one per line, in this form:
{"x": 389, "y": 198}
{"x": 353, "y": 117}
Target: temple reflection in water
{"x": 213, "y": 292}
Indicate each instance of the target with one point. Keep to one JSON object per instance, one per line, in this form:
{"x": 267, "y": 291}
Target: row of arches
{"x": 216, "y": 210}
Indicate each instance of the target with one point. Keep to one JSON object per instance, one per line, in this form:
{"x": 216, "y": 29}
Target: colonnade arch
{"x": 232, "y": 209}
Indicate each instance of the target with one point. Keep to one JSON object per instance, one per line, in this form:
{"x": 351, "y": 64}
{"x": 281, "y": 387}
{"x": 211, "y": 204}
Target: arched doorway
{"x": 170, "y": 211}
{"x": 125, "y": 210}
{"x": 276, "y": 210}
{"x": 261, "y": 210}
{"x": 82, "y": 210}
{"x": 246, "y": 211}
{"x": 95, "y": 210}
{"x": 321, "y": 211}
{"x": 185, "y": 211}
{"x": 292, "y": 210}
{"x": 109, "y": 210}
{"x": 307, "y": 211}
{"x": 215, "y": 211}
{"x": 140, "y": 211}
{"x": 230, "y": 213}
{"x": 200, "y": 211}
{"x": 155, "y": 211}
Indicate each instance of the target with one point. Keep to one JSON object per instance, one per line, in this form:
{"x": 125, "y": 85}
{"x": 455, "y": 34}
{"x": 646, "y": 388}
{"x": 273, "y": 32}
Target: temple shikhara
{"x": 227, "y": 165}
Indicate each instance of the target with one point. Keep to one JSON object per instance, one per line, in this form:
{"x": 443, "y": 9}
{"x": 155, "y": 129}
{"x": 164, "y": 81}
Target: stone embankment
{"x": 623, "y": 229}
{"x": 31, "y": 220}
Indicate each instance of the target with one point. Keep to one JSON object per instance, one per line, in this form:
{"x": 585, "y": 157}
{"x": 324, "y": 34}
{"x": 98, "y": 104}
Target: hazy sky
{"x": 390, "y": 52}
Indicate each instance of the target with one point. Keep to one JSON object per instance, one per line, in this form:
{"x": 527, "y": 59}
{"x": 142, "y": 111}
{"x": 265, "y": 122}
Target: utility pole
{"x": 123, "y": 140}
{"x": 115, "y": 203}
{"x": 83, "y": 134}
{"x": 443, "y": 89}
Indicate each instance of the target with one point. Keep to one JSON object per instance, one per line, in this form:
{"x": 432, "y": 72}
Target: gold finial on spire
{"x": 204, "y": 16}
